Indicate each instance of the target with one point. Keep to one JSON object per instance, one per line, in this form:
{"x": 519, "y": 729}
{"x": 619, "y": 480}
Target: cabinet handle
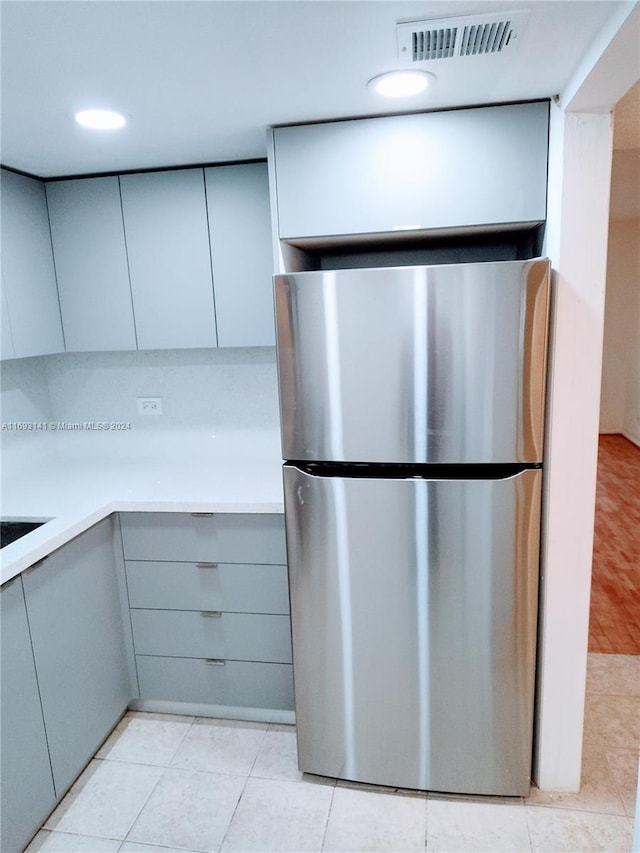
{"x": 215, "y": 662}
{"x": 206, "y": 565}
{"x": 202, "y": 514}
{"x": 211, "y": 614}
{"x": 35, "y": 566}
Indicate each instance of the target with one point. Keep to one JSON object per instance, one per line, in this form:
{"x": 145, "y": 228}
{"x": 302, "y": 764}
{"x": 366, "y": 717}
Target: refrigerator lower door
{"x": 414, "y": 606}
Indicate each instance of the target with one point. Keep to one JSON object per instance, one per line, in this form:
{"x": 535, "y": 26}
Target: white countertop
{"x": 77, "y": 481}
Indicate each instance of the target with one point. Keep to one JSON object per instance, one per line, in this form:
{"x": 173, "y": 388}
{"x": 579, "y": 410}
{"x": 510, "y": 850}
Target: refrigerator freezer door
{"x": 414, "y": 628}
{"x": 414, "y": 364}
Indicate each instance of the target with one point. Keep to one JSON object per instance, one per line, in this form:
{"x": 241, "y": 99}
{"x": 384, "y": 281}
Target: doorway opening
{"x": 614, "y": 624}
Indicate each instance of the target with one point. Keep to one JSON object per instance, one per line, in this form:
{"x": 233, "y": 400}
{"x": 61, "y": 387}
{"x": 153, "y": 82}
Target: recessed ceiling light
{"x": 100, "y": 119}
{"x": 401, "y": 84}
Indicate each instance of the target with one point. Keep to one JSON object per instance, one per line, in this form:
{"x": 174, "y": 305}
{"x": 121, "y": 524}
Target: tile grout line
{"x": 326, "y": 823}
{"x": 233, "y": 814}
{"x": 529, "y": 834}
{"x": 244, "y": 787}
{"x": 160, "y": 778}
{"x": 140, "y": 810}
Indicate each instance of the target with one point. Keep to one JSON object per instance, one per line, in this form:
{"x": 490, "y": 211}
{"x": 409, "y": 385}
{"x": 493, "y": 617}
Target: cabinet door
{"x": 218, "y": 537}
{"x": 91, "y": 264}
{"x": 243, "y": 684}
{"x": 78, "y": 644}
{"x": 453, "y": 169}
{"x": 240, "y": 231}
{"x": 231, "y": 636}
{"x": 27, "y": 783}
{"x": 27, "y": 266}
{"x": 234, "y": 587}
{"x": 165, "y": 218}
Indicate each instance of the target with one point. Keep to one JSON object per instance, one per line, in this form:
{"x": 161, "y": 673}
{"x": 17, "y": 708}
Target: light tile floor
{"x": 164, "y": 783}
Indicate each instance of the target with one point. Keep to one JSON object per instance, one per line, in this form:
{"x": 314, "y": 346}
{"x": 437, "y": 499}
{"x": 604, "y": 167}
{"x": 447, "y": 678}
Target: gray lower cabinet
{"x": 212, "y": 634}
{"x": 204, "y": 537}
{"x": 240, "y": 684}
{"x": 28, "y": 794}
{"x": 75, "y": 618}
{"x": 237, "y": 587}
{"x": 210, "y": 608}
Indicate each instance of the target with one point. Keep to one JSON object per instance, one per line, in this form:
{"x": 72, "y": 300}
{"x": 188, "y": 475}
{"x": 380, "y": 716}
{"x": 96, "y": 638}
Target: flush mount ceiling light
{"x": 401, "y": 84}
{"x": 100, "y": 119}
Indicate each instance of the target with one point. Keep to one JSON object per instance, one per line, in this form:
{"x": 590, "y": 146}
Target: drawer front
{"x": 219, "y": 537}
{"x": 235, "y": 636}
{"x": 236, "y": 587}
{"x": 240, "y": 683}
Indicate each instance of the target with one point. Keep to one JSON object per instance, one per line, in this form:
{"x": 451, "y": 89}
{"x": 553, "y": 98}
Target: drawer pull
{"x": 206, "y": 565}
{"x": 202, "y": 515}
{"x": 211, "y": 614}
{"x": 215, "y": 662}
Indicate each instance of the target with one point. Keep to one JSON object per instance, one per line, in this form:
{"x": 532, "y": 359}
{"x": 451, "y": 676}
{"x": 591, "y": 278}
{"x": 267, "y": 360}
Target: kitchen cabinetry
{"x": 209, "y": 608}
{"x": 471, "y": 168}
{"x": 240, "y": 233}
{"x": 6, "y": 337}
{"x": 165, "y": 217}
{"x": 91, "y": 264}
{"x": 30, "y": 296}
{"x": 75, "y": 618}
{"x": 27, "y": 783}
{"x": 133, "y": 258}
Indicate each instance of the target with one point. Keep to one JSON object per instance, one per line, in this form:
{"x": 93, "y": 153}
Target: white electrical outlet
{"x": 149, "y": 405}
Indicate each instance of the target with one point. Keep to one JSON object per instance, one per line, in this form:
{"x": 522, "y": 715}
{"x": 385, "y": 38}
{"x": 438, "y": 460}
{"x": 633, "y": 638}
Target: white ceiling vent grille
{"x": 451, "y": 38}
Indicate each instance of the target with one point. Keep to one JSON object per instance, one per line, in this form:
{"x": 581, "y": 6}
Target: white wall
{"x": 205, "y": 388}
{"x": 214, "y": 401}
{"x": 24, "y": 399}
{"x": 620, "y": 403}
{"x": 25, "y": 394}
{"x": 210, "y": 397}
{"x": 579, "y": 178}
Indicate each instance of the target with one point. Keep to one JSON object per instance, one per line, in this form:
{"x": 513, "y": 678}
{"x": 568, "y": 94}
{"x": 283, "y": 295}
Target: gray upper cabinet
{"x": 6, "y": 336}
{"x": 239, "y": 224}
{"x": 28, "y": 276}
{"x": 456, "y": 169}
{"x": 77, "y": 634}
{"x": 165, "y": 218}
{"x": 27, "y": 783}
{"x": 91, "y": 264}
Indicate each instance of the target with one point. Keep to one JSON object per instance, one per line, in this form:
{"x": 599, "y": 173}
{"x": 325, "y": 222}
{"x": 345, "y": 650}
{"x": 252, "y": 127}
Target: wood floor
{"x": 614, "y": 625}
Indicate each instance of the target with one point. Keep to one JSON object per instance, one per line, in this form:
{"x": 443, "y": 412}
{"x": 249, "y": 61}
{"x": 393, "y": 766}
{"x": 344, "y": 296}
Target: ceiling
{"x": 201, "y": 81}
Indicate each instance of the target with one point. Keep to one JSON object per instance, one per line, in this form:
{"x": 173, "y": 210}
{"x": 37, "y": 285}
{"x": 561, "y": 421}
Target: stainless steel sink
{"x": 12, "y": 530}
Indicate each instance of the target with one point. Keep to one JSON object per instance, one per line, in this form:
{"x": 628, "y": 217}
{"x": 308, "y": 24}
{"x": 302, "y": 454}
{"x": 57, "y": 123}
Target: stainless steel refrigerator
{"x": 412, "y": 405}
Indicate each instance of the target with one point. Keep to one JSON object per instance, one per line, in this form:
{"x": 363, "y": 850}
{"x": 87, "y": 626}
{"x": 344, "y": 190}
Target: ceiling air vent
{"x": 451, "y": 38}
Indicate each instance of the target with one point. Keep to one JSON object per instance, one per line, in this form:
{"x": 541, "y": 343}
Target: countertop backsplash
{"x": 213, "y": 388}
{"x": 25, "y": 399}
{"x": 210, "y": 397}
